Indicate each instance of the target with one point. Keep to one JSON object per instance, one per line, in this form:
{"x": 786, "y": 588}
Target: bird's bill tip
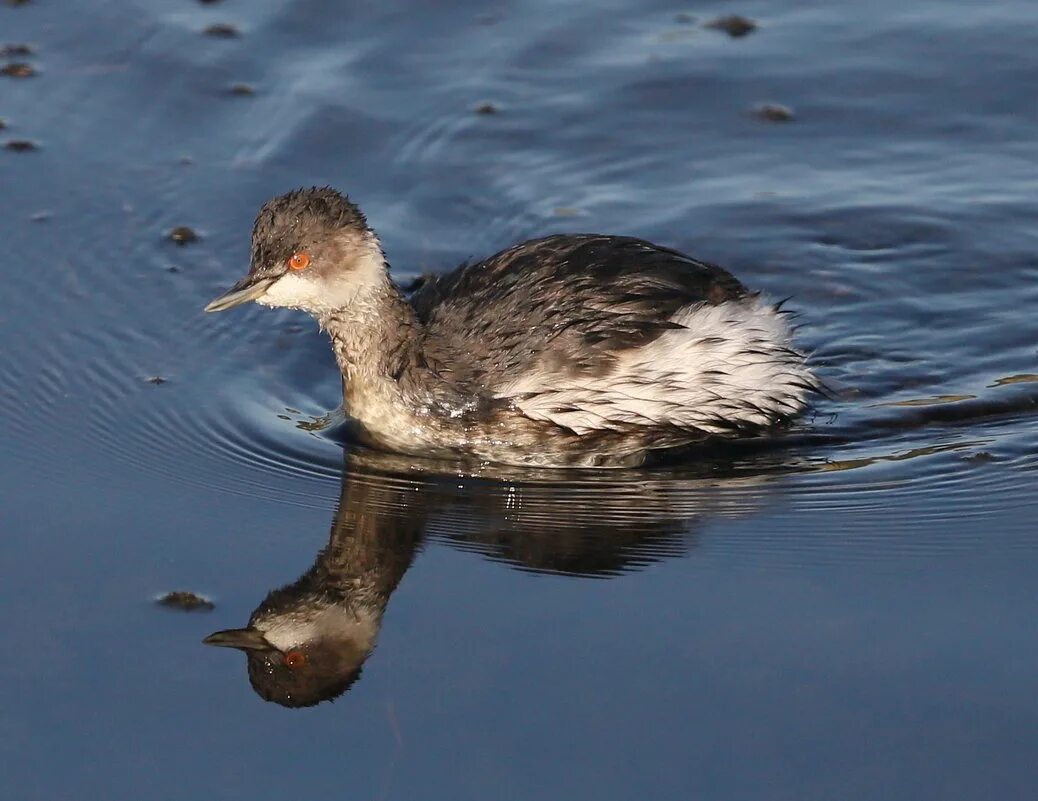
{"x": 242, "y": 639}
{"x": 242, "y": 292}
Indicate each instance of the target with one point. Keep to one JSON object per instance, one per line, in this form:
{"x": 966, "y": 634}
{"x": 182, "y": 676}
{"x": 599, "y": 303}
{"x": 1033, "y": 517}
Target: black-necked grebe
{"x": 572, "y": 350}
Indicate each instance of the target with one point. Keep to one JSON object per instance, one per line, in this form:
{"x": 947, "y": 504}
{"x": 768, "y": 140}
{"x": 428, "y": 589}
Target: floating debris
{"x": 12, "y": 50}
{"x": 2, "y": 124}
{"x": 21, "y": 145}
{"x": 221, "y": 30}
{"x": 774, "y": 112}
{"x": 487, "y": 108}
{"x": 41, "y": 216}
{"x": 18, "y": 69}
{"x": 157, "y": 380}
{"x": 208, "y": 2}
{"x": 1021, "y": 378}
{"x": 185, "y": 601}
{"x": 186, "y": 161}
{"x": 734, "y": 25}
{"x": 17, "y": 2}
{"x": 981, "y": 457}
{"x": 183, "y": 235}
{"x": 241, "y": 90}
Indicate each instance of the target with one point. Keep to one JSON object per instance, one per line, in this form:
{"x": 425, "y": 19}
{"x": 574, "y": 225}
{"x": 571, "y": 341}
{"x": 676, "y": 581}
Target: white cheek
{"x": 337, "y": 287}
{"x": 300, "y": 291}
{"x": 292, "y": 290}
{"x": 358, "y": 626}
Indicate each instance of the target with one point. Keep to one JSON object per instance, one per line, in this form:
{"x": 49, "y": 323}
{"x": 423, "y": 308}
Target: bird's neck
{"x": 375, "y": 335}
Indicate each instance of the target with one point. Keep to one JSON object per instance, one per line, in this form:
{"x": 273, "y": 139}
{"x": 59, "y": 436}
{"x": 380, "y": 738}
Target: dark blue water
{"x": 849, "y": 615}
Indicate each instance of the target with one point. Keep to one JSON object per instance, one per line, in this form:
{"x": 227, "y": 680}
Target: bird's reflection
{"x": 307, "y": 642}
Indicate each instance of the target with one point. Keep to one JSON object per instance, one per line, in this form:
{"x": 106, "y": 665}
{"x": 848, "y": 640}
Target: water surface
{"x": 849, "y": 614}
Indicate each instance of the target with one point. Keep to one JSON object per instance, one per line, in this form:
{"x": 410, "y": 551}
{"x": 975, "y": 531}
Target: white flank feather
{"x": 730, "y": 365}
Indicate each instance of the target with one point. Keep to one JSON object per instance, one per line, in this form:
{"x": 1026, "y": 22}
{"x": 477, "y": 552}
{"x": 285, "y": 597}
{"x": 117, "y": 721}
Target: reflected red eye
{"x": 295, "y": 659}
{"x": 299, "y": 261}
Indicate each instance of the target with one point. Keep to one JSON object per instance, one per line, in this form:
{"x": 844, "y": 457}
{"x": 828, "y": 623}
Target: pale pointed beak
{"x": 242, "y": 639}
{"x": 249, "y": 288}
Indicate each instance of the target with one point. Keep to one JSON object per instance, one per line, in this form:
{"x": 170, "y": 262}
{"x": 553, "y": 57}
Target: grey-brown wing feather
{"x": 567, "y": 304}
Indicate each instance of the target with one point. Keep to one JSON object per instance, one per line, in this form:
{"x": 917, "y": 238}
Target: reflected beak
{"x": 248, "y": 288}
{"x": 242, "y": 639}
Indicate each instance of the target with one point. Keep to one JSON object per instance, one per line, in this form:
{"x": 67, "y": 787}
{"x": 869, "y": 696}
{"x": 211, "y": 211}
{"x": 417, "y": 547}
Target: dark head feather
{"x": 298, "y": 219}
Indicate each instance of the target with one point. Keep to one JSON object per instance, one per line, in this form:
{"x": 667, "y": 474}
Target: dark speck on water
{"x": 182, "y": 235}
{"x": 241, "y": 90}
{"x": 734, "y": 25}
{"x": 843, "y": 611}
{"x": 186, "y": 601}
{"x": 18, "y": 69}
{"x": 15, "y": 50}
{"x": 773, "y": 112}
{"x": 221, "y": 30}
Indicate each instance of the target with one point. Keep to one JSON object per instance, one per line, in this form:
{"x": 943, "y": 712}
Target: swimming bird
{"x": 576, "y": 350}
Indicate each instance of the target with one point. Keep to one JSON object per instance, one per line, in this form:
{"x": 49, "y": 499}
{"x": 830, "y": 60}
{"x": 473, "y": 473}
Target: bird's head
{"x": 303, "y": 658}
{"x": 312, "y": 250}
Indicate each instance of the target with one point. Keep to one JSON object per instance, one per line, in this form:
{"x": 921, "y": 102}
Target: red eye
{"x": 295, "y": 659}
{"x": 299, "y": 261}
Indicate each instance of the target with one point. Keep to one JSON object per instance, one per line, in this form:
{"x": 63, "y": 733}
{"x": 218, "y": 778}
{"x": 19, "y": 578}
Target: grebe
{"x": 577, "y": 350}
